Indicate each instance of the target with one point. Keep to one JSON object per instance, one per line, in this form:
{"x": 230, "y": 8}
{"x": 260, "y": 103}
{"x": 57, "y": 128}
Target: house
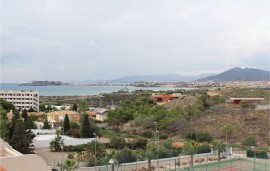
{"x": 57, "y": 116}
{"x": 250, "y": 100}
{"x": 163, "y": 98}
{"x": 101, "y": 114}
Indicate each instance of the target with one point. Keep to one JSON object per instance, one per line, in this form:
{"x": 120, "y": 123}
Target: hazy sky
{"x": 104, "y": 39}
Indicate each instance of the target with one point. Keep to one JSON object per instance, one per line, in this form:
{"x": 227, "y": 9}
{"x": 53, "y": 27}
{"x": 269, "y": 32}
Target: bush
{"x": 117, "y": 142}
{"x": 205, "y": 148}
{"x": 200, "y": 136}
{"x": 163, "y": 136}
{"x": 249, "y": 141}
{"x": 138, "y": 143}
{"x": 163, "y": 152}
{"x": 76, "y": 148}
{"x": 258, "y": 154}
{"x": 204, "y": 137}
{"x": 147, "y": 134}
{"x": 244, "y": 103}
{"x": 125, "y": 156}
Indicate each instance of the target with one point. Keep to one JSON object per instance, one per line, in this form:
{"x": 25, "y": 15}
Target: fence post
{"x": 265, "y": 162}
{"x": 241, "y": 163}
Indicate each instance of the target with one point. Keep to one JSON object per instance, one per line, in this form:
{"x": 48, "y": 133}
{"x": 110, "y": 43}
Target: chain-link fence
{"x": 201, "y": 162}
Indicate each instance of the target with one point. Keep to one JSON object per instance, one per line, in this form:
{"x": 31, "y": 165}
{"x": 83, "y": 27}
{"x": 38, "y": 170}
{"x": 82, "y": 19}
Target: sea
{"x": 78, "y": 90}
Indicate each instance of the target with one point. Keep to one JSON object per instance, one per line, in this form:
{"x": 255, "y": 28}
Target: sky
{"x": 73, "y": 40}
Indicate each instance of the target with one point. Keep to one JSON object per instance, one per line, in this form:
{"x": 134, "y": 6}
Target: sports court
{"x": 237, "y": 164}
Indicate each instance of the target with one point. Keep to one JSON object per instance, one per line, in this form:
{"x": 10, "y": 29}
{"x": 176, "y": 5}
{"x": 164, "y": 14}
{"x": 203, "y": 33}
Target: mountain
{"x": 239, "y": 74}
{"x": 157, "y": 78}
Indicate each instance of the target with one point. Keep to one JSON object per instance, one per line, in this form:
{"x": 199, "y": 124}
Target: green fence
{"x": 232, "y": 164}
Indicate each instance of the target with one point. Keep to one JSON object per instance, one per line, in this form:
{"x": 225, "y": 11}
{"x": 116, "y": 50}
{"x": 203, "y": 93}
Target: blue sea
{"x": 76, "y": 90}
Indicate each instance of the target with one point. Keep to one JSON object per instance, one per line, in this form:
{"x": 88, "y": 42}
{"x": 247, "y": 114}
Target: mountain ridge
{"x": 239, "y": 74}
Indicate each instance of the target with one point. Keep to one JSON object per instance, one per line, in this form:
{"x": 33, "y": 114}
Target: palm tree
{"x": 148, "y": 154}
{"x": 70, "y": 165}
{"x": 219, "y": 146}
{"x": 190, "y": 147}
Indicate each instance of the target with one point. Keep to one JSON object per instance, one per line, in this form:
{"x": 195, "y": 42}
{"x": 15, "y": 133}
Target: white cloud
{"x": 109, "y": 39}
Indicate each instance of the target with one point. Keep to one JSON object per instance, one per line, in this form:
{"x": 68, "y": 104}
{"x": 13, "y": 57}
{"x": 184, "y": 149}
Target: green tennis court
{"x": 237, "y": 164}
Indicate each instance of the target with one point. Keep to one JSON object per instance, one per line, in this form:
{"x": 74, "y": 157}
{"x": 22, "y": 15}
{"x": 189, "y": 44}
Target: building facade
{"x": 22, "y": 99}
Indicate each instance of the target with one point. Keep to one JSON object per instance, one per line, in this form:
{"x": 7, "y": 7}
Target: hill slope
{"x": 239, "y": 74}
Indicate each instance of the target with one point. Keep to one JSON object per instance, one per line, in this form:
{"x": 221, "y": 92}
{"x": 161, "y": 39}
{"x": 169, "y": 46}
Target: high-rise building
{"x": 22, "y": 99}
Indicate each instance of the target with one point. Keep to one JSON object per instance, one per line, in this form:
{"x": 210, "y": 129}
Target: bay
{"x": 77, "y": 90}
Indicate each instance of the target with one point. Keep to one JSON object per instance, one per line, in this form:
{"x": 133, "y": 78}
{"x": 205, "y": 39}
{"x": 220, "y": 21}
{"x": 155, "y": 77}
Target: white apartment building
{"x": 22, "y": 99}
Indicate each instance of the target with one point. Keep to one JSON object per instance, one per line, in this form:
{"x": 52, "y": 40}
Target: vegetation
{"x": 244, "y": 103}
{"x": 257, "y": 154}
{"x": 21, "y": 140}
{"x": 70, "y": 165}
{"x": 219, "y": 146}
{"x": 66, "y": 124}
{"x": 190, "y": 148}
{"x": 249, "y": 141}
{"x": 148, "y": 154}
{"x": 46, "y": 124}
{"x": 57, "y": 142}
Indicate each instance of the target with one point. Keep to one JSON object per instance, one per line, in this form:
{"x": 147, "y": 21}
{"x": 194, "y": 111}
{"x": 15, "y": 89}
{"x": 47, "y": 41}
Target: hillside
{"x": 239, "y": 74}
{"x": 241, "y": 123}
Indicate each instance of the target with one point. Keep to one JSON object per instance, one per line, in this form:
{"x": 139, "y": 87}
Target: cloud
{"x": 67, "y": 40}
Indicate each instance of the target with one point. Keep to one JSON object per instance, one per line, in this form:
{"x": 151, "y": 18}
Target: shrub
{"x": 147, "y": 134}
{"x": 249, "y": 141}
{"x": 163, "y": 136}
{"x": 125, "y": 156}
{"x": 204, "y": 137}
{"x": 117, "y": 142}
{"x": 138, "y": 143}
{"x": 244, "y": 103}
{"x": 205, "y": 148}
{"x": 258, "y": 154}
{"x": 199, "y": 136}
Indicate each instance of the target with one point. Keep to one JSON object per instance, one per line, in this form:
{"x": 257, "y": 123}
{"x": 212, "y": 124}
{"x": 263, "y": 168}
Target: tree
{"x": 6, "y": 105}
{"x": 42, "y": 106}
{"x": 74, "y": 107}
{"x": 46, "y": 124}
{"x": 29, "y": 122}
{"x": 16, "y": 116}
{"x": 85, "y": 128}
{"x": 190, "y": 147}
{"x": 70, "y": 165}
{"x": 31, "y": 110}
{"x": 148, "y": 154}
{"x": 21, "y": 140}
{"x": 57, "y": 142}
{"x": 83, "y": 106}
{"x": 24, "y": 114}
{"x": 116, "y": 118}
{"x": 3, "y": 124}
{"x": 66, "y": 124}
{"x": 219, "y": 146}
